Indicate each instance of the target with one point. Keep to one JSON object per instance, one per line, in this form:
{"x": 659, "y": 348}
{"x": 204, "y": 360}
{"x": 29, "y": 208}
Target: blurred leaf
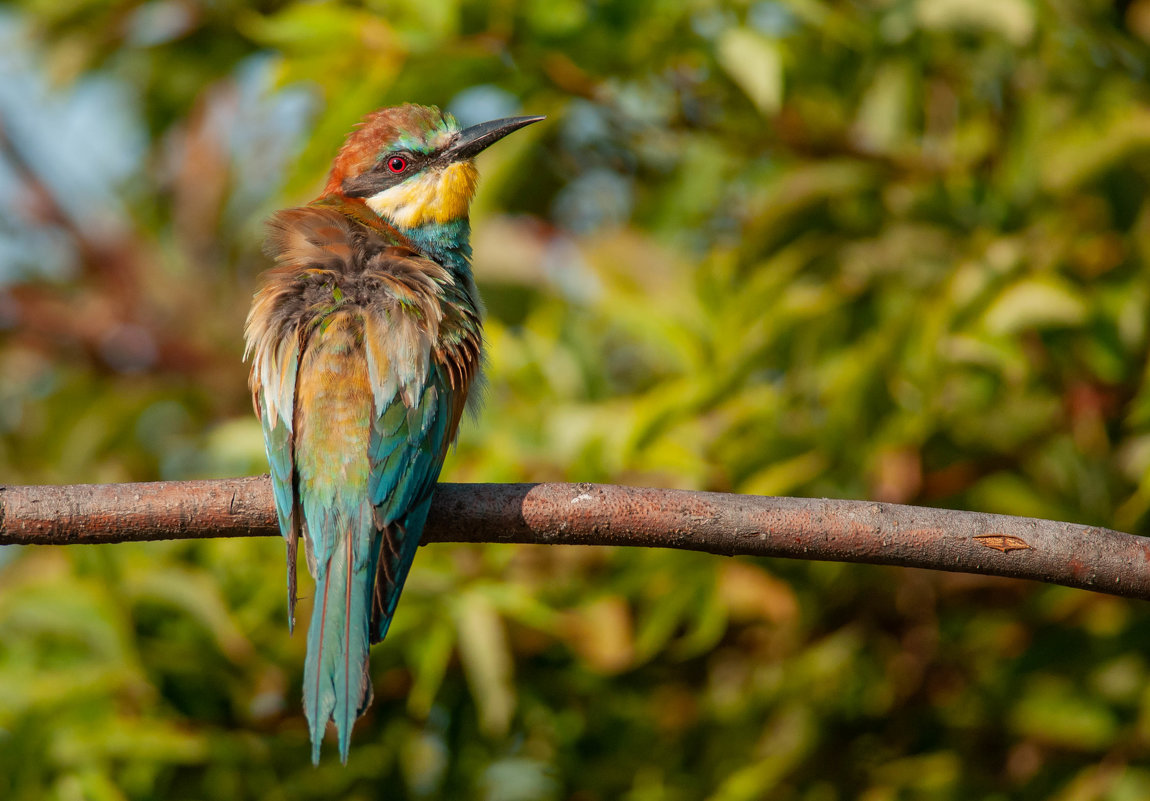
{"x": 1035, "y": 303}
{"x": 1012, "y": 19}
{"x": 756, "y": 65}
{"x": 435, "y": 647}
{"x": 1053, "y": 712}
{"x": 601, "y": 632}
{"x": 486, "y": 661}
{"x": 884, "y": 113}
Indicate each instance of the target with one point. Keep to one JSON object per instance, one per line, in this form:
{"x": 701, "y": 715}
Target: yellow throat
{"x": 437, "y": 196}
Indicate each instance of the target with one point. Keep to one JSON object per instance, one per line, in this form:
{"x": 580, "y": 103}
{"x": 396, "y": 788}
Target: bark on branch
{"x": 597, "y": 514}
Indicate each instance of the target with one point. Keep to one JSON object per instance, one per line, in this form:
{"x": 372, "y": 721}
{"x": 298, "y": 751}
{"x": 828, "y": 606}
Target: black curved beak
{"x": 479, "y": 137}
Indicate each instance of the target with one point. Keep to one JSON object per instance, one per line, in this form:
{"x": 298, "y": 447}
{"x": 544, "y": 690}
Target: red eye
{"x": 397, "y": 164}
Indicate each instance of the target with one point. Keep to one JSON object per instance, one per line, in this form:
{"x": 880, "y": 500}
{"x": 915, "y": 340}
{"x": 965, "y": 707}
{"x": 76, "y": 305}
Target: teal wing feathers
{"x": 409, "y": 441}
{"x": 406, "y": 453}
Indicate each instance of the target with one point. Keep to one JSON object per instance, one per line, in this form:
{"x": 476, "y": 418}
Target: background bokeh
{"x": 888, "y": 249}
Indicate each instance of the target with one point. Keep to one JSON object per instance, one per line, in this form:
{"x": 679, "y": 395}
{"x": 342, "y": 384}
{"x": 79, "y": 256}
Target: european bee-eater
{"x": 365, "y": 341}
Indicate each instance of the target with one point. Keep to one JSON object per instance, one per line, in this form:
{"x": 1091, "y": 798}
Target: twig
{"x": 597, "y": 514}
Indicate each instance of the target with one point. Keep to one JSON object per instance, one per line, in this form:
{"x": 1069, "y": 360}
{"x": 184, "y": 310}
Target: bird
{"x": 365, "y": 343}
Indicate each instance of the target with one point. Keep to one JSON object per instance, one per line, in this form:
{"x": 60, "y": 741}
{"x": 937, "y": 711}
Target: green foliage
{"x": 892, "y": 250}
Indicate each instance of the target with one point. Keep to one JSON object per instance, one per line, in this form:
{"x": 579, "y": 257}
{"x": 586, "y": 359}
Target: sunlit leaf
{"x": 756, "y": 65}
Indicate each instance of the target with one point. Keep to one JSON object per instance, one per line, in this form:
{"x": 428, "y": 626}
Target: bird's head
{"x": 414, "y": 164}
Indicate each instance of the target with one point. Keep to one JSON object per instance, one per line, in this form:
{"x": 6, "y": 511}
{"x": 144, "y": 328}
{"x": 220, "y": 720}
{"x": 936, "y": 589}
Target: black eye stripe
{"x": 380, "y": 177}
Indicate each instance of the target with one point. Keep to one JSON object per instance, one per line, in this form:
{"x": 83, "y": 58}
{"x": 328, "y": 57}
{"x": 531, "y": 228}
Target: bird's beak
{"x": 479, "y": 137}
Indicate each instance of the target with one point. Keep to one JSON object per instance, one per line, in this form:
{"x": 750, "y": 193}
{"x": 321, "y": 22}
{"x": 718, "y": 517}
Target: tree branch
{"x": 598, "y": 514}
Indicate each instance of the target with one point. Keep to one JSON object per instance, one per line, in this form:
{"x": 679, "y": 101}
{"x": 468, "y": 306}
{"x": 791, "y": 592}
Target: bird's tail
{"x": 337, "y": 685}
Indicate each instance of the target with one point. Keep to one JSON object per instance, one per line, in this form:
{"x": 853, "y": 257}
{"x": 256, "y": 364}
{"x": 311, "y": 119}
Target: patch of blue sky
{"x": 264, "y": 133}
{"x": 83, "y": 140}
{"x": 481, "y": 103}
{"x": 88, "y": 143}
